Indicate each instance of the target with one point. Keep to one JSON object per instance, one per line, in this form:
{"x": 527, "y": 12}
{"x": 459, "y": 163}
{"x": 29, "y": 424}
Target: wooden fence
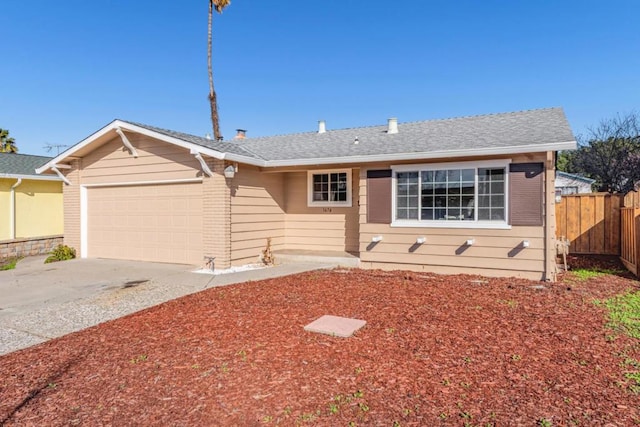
{"x": 630, "y": 238}
{"x": 591, "y": 222}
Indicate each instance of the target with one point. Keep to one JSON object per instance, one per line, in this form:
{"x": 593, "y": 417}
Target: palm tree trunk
{"x": 215, "y": 119}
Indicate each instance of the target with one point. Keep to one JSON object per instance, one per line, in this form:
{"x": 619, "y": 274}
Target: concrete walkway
{"x": 41, "y": 301}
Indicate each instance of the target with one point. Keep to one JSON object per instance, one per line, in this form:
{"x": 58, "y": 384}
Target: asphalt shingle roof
{"x": 21, "y": 164}
{"x": 515, "y": 132}
{"x": 221, "y": 146}
{"x": 466, "y": 133}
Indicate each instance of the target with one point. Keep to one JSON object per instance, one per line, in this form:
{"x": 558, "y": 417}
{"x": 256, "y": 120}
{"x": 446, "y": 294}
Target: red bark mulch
{"x": 436, "y": 350}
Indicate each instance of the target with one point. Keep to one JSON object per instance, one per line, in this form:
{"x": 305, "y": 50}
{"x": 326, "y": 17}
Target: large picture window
{"x": 329, "y": 188}
{"x": 444, "y": 194}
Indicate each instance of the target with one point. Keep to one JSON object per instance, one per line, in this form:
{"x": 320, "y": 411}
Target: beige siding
{"x": 257, "y": 213}
{"x": 495, "y": 252}
{"x": 318, "y": 228}
{"x": 156, "y": 161}
{"x": 71, "y": 196}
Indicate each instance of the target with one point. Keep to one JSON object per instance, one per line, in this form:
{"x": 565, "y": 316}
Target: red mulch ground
{"x": 436, "y": 350}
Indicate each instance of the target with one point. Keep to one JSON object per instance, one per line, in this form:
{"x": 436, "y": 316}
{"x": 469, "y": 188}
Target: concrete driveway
{"x": 42, "y": 301}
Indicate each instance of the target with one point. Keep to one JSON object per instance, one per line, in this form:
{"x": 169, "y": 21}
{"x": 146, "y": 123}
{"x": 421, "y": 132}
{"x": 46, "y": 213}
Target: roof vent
{"x": 208, "y": 136}
{"x": 241, "y": 134}
{"x": 322, "y": 126}
{"x": 393, "y": 125}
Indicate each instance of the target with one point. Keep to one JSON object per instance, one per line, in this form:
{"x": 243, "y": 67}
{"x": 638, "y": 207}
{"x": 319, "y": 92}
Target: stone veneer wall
{"x": 29, "y": 246}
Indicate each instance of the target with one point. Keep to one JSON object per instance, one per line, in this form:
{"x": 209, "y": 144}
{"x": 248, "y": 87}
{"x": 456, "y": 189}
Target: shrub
{"x": 61, "y": 253}
{"x": 8, "y": 264}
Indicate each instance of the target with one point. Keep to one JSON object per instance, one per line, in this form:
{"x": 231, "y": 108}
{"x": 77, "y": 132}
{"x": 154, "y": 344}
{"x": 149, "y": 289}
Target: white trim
{"x": 315, "y": 204}
{"x": 126, "y": 142}
{"x": 62, "y": 166}
{"x": 119, "y": 124}
{"x": 12, "y": 209}
{"x": 451, "y": 224}
{"x": 424, "y": 155}
{"x": 497, "y": 163}
{"x": 130, "y": 183}
{"x": 84, "y": 203}
{"x": 33, "y": 177}
{"x": 84, "y": 222}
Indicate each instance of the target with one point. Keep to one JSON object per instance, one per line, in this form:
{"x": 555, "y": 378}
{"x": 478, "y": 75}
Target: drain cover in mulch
{"x": 335, "y": 326}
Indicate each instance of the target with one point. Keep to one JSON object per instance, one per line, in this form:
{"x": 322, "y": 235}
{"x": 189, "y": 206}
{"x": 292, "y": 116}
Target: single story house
{"x": 464, "y": 195}
{"x": 30, "y": 204}
{"x": 568, "y": 183}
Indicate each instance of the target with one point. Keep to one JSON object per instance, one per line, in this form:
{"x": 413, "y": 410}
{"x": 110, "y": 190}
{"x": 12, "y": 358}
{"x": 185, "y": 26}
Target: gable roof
{"x": 14, "y": 165}
{"x": 524, "y": 131}
{"x": 493, "y": 134}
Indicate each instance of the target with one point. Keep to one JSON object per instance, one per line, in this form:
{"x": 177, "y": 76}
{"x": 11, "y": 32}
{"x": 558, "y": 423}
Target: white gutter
{"x": 57, "y": 171}
{"x": 12, "y": 209}
{"x": 534, "y": 148}
{"x": 34, "y": 177}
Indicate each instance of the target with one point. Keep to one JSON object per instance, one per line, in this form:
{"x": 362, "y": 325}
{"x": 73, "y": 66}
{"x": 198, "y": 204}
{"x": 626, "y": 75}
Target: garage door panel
{"x": 151, "y": 223}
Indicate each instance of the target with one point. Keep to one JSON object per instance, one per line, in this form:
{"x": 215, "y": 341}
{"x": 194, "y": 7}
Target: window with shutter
{"x": 460, "y": 195}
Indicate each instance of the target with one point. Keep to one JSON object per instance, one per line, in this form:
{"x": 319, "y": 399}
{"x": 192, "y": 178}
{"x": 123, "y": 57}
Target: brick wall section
{"x": 216, "y": 215}
{"x": 71, "y": 196}
{"x": 28, "y": 247}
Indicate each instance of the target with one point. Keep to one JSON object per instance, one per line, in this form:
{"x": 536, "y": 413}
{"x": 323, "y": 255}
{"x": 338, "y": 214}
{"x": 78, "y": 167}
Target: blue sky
{"x": 73, "y": 66}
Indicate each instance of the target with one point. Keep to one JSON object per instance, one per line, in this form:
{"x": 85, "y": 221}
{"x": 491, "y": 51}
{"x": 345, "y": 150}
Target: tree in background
{"x": 610, "y": 154}
{"x": 7, "y": 144}
{"x": 219, "y": 6}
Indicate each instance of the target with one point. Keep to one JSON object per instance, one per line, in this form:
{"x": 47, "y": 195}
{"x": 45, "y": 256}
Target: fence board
{"x": 630, "y": 238}
{"x": 632, "y": 200}
{"x": 591, "y": 222}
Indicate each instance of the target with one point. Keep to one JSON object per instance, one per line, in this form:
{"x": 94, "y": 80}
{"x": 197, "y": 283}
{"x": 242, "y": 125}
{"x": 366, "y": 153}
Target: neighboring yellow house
{"x": 30, "y": 204}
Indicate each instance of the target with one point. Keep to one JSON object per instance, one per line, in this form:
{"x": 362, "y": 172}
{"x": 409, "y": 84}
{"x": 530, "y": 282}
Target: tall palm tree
{"x": 7, "y": 144}
{"x": 218, "y": 5}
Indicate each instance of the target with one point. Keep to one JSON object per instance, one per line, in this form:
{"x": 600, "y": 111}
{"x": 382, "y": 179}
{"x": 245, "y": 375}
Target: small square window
{"x": 329, "y": 188}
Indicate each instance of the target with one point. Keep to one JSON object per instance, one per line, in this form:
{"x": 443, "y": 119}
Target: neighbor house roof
{"x": 493, "y": 134}
{"x": 13, "y": 165}
{"x": 575, "y": 177}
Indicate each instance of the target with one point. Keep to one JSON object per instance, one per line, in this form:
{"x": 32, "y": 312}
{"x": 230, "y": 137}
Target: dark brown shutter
{"x": 526, "y": 193}
{"x": 379, "y": 196}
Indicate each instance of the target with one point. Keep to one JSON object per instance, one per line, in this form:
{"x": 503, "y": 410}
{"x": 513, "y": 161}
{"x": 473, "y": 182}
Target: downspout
{"x": 12, "y": 213}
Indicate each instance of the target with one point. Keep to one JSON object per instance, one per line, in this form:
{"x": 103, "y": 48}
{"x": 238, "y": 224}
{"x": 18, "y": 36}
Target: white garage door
{"x": 161, "y": 223}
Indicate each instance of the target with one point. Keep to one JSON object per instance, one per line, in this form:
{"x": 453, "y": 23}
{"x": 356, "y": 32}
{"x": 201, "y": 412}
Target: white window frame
{"x": 337, "y": 204}
{"x": 502, "y": 163}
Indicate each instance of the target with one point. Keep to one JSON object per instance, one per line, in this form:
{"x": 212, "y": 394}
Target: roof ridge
{"x": 242, "y": 142}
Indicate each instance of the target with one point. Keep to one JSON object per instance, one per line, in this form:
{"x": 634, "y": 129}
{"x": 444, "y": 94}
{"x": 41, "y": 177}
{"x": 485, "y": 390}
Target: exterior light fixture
{"x": 420, "y": 240}
{"x": 376, "y": 239}
{"x": 229, "y": 172}
{"x": 470, "y": 242}
{"x": 525, "y": 244}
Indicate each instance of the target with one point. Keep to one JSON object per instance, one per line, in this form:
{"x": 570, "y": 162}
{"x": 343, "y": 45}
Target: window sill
{"x": 329, "y": 205}
{"x": 452, "y": 224}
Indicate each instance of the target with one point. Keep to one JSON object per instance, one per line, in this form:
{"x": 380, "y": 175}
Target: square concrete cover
{"x": 335, "y": 326}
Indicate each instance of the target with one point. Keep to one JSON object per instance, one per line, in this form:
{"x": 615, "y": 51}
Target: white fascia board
{"x": 118, "y": 124}
{"x": 70, "y": 151}
{"x": 494, "y": 151}
{"x": 33, "y": 177}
